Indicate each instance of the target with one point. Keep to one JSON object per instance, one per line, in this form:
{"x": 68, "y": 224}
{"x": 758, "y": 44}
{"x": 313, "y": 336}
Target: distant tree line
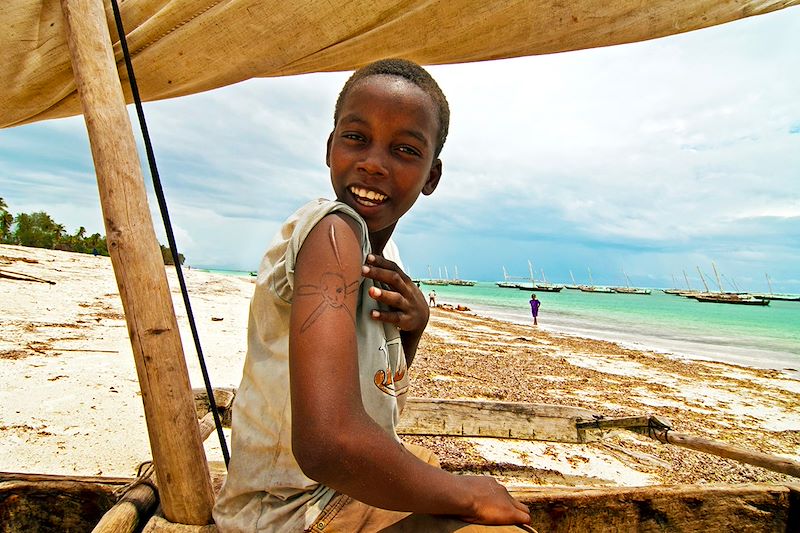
{"x": 39, "y": 230}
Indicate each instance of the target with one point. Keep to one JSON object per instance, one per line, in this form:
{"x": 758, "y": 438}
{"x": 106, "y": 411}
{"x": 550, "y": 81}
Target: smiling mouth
{"x": 367, "y": 197}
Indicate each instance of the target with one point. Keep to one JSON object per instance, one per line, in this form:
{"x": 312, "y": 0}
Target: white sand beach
{"x": 71, "y": 401}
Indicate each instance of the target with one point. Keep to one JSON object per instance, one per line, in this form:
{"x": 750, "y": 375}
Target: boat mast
{"x": 572, "y": 277}
{"x": 703, "y": 279}
{"x": 544, "y": 279}
{"x": 689, "y": 287}
{"x": 591, "y": 281}
{"x": 716, "y": 274}
{"x": 769, "y": 283}
{"x": 180, "y": 462}
{"x": 530, "y": 270}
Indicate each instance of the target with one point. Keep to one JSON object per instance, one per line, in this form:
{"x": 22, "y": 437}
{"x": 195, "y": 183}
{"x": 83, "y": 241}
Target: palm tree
{"x": 6, "y": 219}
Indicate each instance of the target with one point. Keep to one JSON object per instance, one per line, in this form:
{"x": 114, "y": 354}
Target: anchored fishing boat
{"x": 61, "y": 59}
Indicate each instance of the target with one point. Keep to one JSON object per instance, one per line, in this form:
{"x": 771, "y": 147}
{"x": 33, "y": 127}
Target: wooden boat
{"x": 730, "y": 298}
{"x": 27, "y": 502}
{"x": 627, "y": 289}
{"x": 773, "y": 296}
{"x": 460, "y": 282}
{"x": 70, "y": 65}
{"x": 594, "y": 288}
{"x": 535, "y": 286}
{"x": 506, "y": 283}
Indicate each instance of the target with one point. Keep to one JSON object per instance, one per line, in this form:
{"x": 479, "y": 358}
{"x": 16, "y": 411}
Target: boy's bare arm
{"x": 333, "y": 439}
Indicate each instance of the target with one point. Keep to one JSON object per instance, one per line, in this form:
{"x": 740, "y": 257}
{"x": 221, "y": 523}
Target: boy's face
{"x": 381, "y": 151}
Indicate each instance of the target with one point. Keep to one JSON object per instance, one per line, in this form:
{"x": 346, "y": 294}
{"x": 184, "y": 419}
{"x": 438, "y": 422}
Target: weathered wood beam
{"x": 752, "y": 508}
{"x": 130, "y": 513}
{"x": 480, "y": 418}
{"x": 721, "y": 449}
{"x": 178, "y": 454}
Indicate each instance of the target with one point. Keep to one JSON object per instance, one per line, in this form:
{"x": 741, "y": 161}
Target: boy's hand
{"x": 407, "y": 307}
{"x": 493, "y": 505}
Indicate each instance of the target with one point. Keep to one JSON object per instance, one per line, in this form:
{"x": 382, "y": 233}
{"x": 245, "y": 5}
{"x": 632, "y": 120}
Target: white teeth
{"x": 364, "y": 194}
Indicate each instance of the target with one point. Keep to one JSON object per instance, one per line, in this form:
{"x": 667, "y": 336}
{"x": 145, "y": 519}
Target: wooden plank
{"x": 712, "y": 508}
{"x": 479, "y": 418}
{"x": 178, "y": 453}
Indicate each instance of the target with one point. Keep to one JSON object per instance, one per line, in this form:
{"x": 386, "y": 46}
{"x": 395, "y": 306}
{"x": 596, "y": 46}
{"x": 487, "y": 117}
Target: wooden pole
{"x": 130, "y": 513}
{"x": 764, "y": 460}
{"x": 180, "y": 462}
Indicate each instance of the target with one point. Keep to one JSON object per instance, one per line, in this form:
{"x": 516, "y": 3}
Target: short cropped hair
{"x": 408, "y": 70}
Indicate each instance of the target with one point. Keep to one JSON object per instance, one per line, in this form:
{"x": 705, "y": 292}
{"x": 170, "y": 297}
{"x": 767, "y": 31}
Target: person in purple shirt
{"x": 535, "y": 308}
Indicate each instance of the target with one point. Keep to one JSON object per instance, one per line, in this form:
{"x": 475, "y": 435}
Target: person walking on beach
{"x": 334, "y": 325}
{"x": 535, "y": 309}
{"x": 432, "y": 298}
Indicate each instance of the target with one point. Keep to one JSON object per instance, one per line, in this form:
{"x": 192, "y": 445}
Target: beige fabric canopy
{"x": 182, "y": 47}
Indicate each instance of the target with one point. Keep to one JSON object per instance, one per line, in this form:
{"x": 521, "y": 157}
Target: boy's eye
{"x": 409, "y": 150}
{"x": 353, "y": 136}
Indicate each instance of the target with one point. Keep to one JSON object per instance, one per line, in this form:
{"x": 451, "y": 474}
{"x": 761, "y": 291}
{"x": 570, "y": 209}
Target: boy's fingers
{"x": 390, "y": 298}
{"x": 390, "y": 317}
{"x": 389, "y": 277}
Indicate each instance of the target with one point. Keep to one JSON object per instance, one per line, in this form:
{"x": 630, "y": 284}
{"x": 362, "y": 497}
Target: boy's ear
{"x": 328, "y": 150}
{"x": 433, "y": 178}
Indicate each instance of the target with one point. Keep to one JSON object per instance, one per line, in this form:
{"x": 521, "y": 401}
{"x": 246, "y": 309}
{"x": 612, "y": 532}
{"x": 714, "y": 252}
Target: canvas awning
{"x": 181, "y": 47}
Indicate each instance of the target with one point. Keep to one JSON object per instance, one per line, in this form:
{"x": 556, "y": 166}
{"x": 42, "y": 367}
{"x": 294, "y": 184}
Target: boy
{"x": 330, "y": 340}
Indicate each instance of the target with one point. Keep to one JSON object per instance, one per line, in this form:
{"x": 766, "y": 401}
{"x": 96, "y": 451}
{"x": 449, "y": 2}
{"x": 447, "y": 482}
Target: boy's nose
{"x": 373, "y": 162}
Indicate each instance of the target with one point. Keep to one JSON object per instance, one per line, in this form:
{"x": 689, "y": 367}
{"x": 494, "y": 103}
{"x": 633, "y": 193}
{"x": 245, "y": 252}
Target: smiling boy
{"x": 334, "y": 326}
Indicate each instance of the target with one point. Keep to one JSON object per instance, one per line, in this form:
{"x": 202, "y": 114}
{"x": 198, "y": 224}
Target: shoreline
{"x": 73, "y": 406}
{"x": 717, "y": 350}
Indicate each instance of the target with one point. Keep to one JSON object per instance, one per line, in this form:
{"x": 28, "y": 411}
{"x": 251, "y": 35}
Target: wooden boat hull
{"x": 712, "y": 508}
{"x": 45, "y": 503}
{"x": 540, "y": 288}
{"x": 736, "y": 301}
{"x": 66, "y": 505}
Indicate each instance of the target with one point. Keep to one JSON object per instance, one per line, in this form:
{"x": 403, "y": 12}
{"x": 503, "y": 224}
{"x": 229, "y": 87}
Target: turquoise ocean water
{"x": 767, "y": 337}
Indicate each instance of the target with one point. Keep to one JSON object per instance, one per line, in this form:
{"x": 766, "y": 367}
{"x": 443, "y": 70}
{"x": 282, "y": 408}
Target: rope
{"x": 143, "y": 475}
{"x": 162, "y": 204}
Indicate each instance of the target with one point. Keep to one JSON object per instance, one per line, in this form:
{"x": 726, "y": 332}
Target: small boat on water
{"x": 533, "y": 286}
{"x": 627, "y": 289}
{"x": 729, "y": 298}
{"x": 440, "y": 281}
{"x": 507, "y": 283}
{"x": 592, "y": 287}
{"x": 773, "y": 296}
{"x": 460, "y": 282}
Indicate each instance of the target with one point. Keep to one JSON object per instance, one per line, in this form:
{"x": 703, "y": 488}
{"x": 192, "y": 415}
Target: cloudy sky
{"x": 652, "y": 158}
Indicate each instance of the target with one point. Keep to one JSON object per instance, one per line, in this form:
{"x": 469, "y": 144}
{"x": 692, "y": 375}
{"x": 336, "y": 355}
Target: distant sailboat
{"x": 591, "y": 287}
{"x": 434, "y": 281}
{"x": 574, "y": 285}
{"x": 461, "y": 282}
{"x": 506, "y": 284}
{"x": 723, "y": 297}
{"x": 772, "y": 296}
{"x": 627, "y": 289}
{"x": 541, "y": 287}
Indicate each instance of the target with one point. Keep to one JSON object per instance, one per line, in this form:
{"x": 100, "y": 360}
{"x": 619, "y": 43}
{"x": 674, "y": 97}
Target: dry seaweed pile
{"x": 465, "y": 356}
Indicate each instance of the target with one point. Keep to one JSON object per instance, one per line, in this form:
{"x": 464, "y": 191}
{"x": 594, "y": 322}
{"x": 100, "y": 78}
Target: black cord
{"x": 162, "y": 204}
